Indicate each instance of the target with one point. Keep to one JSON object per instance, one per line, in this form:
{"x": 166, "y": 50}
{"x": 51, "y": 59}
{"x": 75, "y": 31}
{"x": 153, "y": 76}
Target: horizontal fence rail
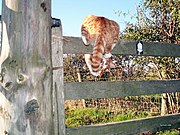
{"x": 87, "y": 90}
{"x": 129, "y": 127}
{"x": 74, "y": 45}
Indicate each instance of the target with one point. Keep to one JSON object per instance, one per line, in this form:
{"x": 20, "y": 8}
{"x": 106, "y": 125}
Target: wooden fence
{"x": 87, "y": 90}
{"x": 32, "y": 88}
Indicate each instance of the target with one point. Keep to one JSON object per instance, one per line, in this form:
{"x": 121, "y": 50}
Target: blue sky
{"x": 72, "y": 12}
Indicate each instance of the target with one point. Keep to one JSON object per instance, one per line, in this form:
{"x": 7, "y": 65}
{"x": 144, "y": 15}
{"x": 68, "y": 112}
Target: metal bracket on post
{"x": 55, "y": 22}
{"x": 139, "y": 48}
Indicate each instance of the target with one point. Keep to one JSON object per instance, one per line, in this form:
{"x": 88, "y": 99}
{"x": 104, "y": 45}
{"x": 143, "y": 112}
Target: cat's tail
{"x": 97, "y": 55}
{"x": 88, "y": 60}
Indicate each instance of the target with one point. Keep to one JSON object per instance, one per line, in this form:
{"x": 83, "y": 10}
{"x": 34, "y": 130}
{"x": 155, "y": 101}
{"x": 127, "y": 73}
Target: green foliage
{"x": 130, "y": 115}
{"x": 80, "y": 117}
{"x": 89, "y": 116}
{"x": 169, "y": 132}
{"x": 165, "y": 16}
{"x": 157, "y": 20}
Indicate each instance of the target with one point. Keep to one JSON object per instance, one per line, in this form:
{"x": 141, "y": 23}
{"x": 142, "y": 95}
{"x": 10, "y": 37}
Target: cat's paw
{"x": 85, "y": 40}
{"x": 107, "y": 55}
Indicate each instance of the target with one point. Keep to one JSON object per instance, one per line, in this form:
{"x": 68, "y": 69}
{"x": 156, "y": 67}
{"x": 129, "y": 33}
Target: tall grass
{"x": 89, "y": 116}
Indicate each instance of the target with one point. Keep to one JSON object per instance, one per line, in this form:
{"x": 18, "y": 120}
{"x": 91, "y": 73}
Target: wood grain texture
{"x": 129, "y": 127}
{"x": 74, "y": 45}
{"x": 27, "y": 79}
{"x": 87, "y": 90}
{"x": 58, "y": 81}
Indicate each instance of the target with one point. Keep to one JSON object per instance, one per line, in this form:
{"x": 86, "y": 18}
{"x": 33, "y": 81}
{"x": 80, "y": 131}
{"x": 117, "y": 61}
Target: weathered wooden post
{"x": 26, "y": 88}
{"x": 58, "y": 78}
{"x": 80, "y": 80}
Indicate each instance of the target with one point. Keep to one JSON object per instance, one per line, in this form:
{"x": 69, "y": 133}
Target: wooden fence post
{"x": 80, "y": 80}
{"x": 26, "y": 76}
{"x": 58, "y": 79}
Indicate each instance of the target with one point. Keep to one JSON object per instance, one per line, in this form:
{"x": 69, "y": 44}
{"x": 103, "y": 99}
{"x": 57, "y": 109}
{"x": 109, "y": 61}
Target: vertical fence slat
{"x": 58, "y": 85}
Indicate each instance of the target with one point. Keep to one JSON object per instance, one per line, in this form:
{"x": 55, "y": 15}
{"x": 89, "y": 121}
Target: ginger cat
{"x": 103, "y": 34}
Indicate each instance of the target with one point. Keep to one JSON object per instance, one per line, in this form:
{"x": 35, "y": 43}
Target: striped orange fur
{"x": 103, "y": 34}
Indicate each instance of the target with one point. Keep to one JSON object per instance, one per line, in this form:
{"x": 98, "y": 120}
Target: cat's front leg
{"x": 106, "y": 60}
{"x": 85, "y": 41}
